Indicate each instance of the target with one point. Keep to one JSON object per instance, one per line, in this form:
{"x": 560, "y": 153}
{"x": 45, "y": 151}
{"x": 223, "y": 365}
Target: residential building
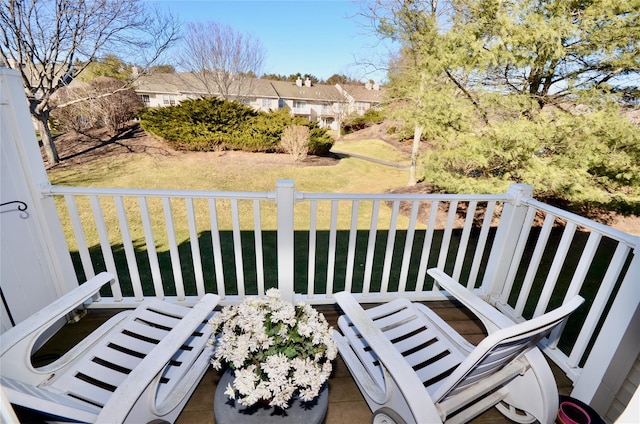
{"x": 321, "y": 103}
{"x": 361, "y": 98}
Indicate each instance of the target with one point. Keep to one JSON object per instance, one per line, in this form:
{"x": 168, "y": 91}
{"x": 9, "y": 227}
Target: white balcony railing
{"x": 520, "y": 254}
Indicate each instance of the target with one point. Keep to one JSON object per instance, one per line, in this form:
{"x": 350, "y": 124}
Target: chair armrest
{"x": 18, "y": 341}
{"x": 492, "y": 319}
{"x": 358, "y": 372}
{"x": 413, "y": 391}
{"x": 126, "y": 395}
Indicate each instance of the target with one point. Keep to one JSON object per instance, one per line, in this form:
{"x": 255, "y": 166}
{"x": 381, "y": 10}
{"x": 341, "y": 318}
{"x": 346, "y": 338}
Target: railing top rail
{"x": 628, "y": 239}
{"x": 401, "y": 196}
{"x": 88, "y": 191}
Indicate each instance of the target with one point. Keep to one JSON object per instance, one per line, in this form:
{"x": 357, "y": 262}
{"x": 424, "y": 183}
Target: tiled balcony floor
{"x": 346, "y": 404}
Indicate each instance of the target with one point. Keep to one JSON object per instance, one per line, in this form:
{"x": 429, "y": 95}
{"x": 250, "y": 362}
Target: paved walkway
{"x": 370, "y": 159}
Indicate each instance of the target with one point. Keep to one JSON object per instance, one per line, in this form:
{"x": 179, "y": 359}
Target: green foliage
{"x": 546, "y": 49}
{"x": 586, "y": 159}
{"x": 110, "y": 66}
{"x": 216, "y": 124}
{"x": 354, "y": 122}
{"x": 519, "y": 91}
{"x": 320, "y": 142}
{"x": 203, "y": 125}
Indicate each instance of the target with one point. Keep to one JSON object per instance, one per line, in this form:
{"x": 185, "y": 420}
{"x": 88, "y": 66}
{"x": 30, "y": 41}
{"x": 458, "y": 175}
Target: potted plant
{"x": 275, "y": 349}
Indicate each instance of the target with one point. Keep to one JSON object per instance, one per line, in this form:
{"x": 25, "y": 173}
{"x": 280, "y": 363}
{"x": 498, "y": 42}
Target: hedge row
{"x": 215, "y": 124}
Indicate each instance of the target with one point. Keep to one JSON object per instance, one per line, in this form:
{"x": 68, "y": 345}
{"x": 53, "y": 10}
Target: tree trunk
{"x": 417, "y": 135}
{"x": 42, "y": 121}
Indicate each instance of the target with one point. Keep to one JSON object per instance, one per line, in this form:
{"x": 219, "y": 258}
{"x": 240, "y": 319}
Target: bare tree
{"x": 224, "y": 61}
{"x": 295, "y": 141}
{"x": 90, "y": 107}
{"x": 51, "y": 41}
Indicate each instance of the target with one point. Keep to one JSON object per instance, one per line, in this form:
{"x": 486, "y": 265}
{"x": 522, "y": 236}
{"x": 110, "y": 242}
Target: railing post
{"x": 616, "y": 348}
{"x": 506, "y": 239}
{"x": 285, "y": 202}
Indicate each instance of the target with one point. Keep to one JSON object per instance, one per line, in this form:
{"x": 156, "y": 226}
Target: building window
{"x": 168, "y": 100}
{"x": 145, "y": 99}
{"x": 299, "y": 104}
{"x": 266, "y": 103}
{"x": 362, "y": 106}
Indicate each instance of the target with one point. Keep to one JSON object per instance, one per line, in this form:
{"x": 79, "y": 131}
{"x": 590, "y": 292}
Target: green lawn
{"x": 377, "y": 149}
{"x": 209, "y": 171}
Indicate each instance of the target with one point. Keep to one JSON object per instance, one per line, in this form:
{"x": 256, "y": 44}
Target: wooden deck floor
{"x": 346, "y": 404}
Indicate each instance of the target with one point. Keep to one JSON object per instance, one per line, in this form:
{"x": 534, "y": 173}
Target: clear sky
{"x": 318, "y": 37}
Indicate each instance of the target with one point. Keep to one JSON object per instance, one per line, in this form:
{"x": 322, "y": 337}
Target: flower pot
{"x": 573, "y": 411}
{"x": 228, "y": 411}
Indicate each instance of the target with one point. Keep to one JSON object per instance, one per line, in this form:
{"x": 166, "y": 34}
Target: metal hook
{"x": 22, "y": 207}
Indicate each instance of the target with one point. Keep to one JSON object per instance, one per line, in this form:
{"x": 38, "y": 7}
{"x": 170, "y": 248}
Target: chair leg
{"x": 387, "y": 416}
{"x": 534, "y": 395}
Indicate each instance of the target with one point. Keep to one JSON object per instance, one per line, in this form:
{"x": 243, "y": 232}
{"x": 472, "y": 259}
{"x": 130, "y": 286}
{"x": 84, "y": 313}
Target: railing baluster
{"x": 464, "y": 240}
{"x": 446, "y": 236}
{"x": 588, "y": 253}
{"x": 426, "y": 246}
{"x": 237, "y": 247}
{"x": 129, "y": 252}
{"x": 105, "y": 245}
{"x": 391, "y": 240}
{"x": 195, "y": 247}
{"x": 599, "y": 303}
{"x": 311, "y": 273}
{"x": 257, "y": 236}
{"x": 81, "y": 240}
{"x": 173, "y": 248}
{"x": 217, "y": 248}
{"x": 331, "y": 253}
{"x": 371, "y": 247}
{"x": 534, "y": 264}
{"x": 554, "y": 272}
{"x": 351, "y": 249}
{"x": 408, "y": 246}
{"x": 154, "y": 265}
{"x": 482, "y": 243}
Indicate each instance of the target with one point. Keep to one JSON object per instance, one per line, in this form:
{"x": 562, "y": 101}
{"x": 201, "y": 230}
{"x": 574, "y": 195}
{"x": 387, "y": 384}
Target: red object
{"x": 571, "y": 413}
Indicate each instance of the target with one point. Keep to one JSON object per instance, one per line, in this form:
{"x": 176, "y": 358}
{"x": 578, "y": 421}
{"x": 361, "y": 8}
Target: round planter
{"x": 573, "y": 411}
{"x": 228, "y": 411}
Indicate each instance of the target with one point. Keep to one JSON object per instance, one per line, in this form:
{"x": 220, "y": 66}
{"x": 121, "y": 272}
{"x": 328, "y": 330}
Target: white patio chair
{"x": 141, "y": 365}
{"x": 412, "y": 367}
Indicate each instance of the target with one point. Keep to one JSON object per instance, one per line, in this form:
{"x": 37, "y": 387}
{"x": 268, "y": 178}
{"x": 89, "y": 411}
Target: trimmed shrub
{"x": 354, "y": 123}
{"x": 215, "y": 124}
{"x": 205, "y": 124}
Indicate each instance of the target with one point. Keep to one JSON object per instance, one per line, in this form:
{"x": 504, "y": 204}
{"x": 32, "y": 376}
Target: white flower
{"x": 230, "y": 391}
{"x": 275, "y": 348}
